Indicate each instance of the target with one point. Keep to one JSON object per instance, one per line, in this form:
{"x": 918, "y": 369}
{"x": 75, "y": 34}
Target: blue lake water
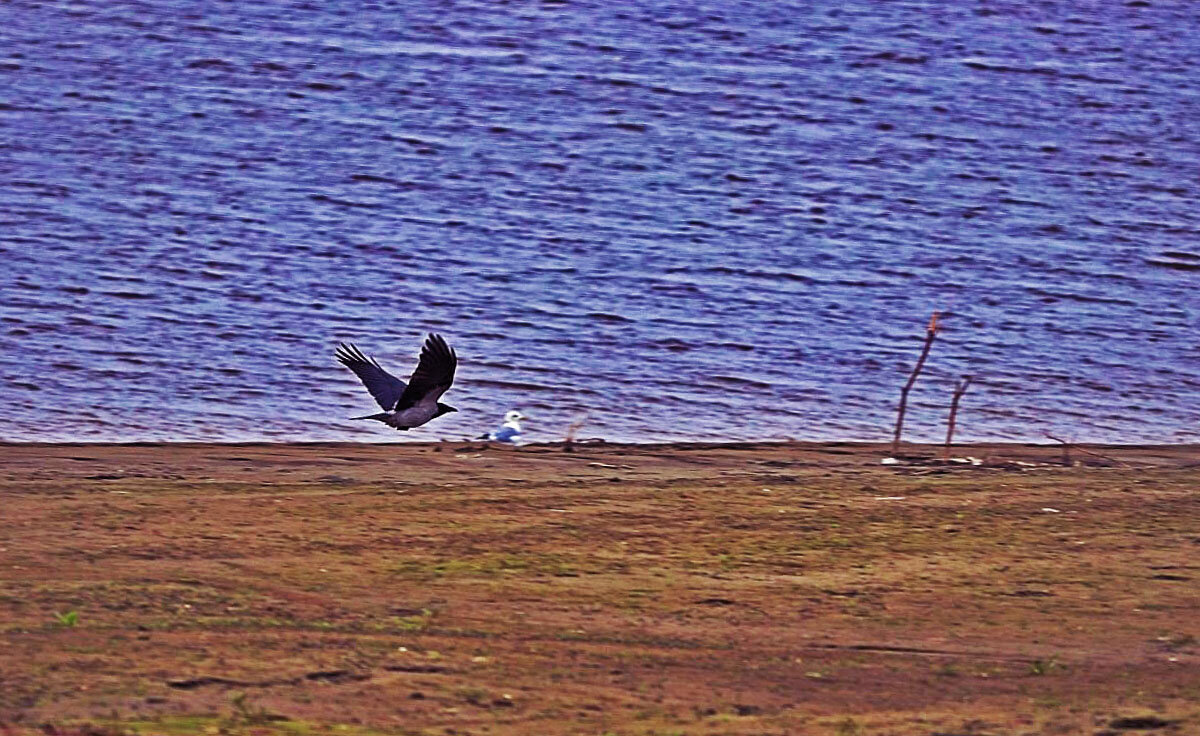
{"x": 693, "y": 221}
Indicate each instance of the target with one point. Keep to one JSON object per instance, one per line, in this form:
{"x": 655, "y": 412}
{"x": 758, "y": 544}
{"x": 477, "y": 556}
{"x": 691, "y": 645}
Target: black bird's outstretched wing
{"x": 386, "y": 388}
{"x": 434, "y": 373}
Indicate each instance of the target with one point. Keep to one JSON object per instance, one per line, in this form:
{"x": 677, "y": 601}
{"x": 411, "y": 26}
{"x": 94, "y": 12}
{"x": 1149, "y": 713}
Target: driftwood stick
{"x": 930, "y": 334}
{"x": 572, "y": 430}
{"x": 1085, "y": 451}
{"x": 1066, "y": 448}
{"x": 960, "y": 388}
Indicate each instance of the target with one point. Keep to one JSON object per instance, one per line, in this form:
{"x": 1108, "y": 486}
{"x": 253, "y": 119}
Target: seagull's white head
{"x": 513, "y": 417}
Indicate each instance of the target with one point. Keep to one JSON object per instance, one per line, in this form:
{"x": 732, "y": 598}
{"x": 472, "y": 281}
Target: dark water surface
{"x": 699, "y": 221}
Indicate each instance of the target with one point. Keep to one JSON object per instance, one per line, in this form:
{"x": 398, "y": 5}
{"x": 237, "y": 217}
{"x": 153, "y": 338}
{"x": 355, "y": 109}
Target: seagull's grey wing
{"x": 386, "y": 388}
{"x": 434, "y": 373}
{"x": 505, "y": 434}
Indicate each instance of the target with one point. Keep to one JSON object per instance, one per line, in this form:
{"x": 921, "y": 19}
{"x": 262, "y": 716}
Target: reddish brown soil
{"x": 719, "y": 589}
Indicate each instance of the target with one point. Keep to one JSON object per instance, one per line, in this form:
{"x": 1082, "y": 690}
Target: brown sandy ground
{"x": 689, "y": 589}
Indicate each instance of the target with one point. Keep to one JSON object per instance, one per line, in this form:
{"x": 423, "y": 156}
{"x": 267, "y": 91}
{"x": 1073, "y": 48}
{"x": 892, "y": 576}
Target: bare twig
{"x": 572, "y": 429}
{"x": 1085, "y": 451}
{"x": 930, "y": 334}
{"x": 1066, "y": 448}
{"x": 959, "y": 389}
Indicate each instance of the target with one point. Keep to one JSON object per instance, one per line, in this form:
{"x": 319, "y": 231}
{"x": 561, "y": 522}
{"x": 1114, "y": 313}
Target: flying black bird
{"x": 405, "y": 407}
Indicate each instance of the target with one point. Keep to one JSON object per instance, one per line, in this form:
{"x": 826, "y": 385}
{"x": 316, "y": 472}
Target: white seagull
{"x": 405, "y": 407}
{"x": 510, "y": 431}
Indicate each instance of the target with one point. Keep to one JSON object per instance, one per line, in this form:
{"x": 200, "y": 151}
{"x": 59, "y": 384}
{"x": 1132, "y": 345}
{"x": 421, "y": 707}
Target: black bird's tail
{"x": 381, "y": 417}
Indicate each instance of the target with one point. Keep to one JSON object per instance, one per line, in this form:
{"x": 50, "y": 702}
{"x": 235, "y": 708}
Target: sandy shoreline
{"x": 746, "y": 588}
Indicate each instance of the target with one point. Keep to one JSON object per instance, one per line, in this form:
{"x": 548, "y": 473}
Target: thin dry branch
{"x": 1066, "y": 448}
{"x": 930, "y": 334}
{"x": 1085, "y": 451}
{"x": 960, "y": 388}
{"x": 572, "y": 430}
